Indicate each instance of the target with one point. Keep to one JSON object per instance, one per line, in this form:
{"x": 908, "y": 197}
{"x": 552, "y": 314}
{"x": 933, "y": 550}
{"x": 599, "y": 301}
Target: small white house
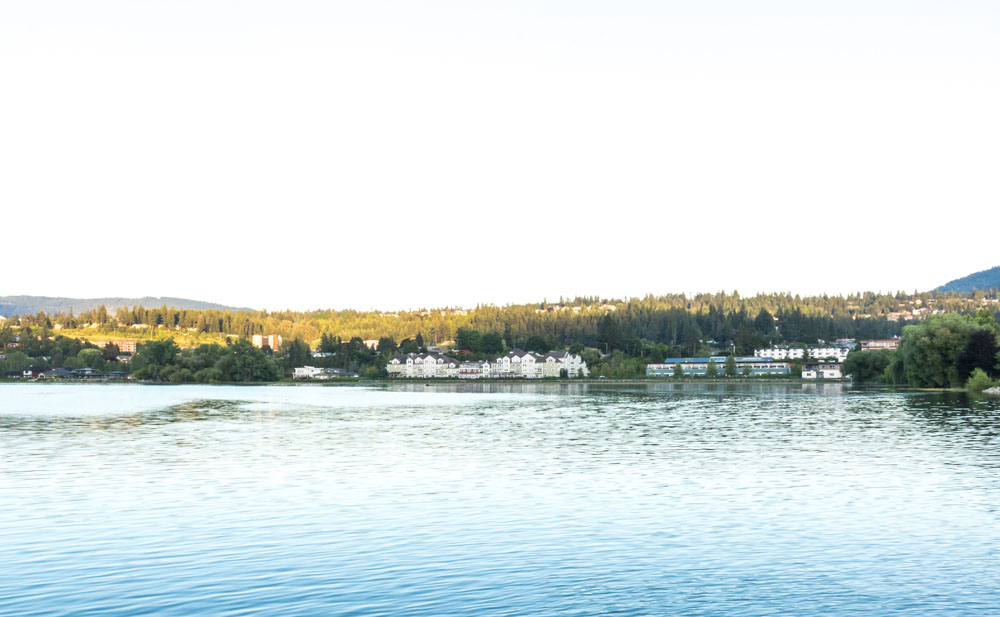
{"x": 822, "y": 370}
{"x": 306, "y": 372}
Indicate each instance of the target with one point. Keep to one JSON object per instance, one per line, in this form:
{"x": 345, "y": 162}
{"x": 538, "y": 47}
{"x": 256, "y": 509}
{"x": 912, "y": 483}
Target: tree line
{"x": 944, "y": 351}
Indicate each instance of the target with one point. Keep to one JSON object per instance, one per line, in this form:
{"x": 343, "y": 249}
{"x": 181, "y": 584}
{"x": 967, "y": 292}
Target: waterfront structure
{"x": 422, "y": 365}
{"x": 799, "y": 353}
{"x": 270, "y": 340}
{"x": 58, "y": 373}
{"x": 473, "y": 370}
{"x": 698, "y": 367}
{"x": 532, "y": 365}
{"x": 822, "y": 370}
{"x": 888, "y": 343}
{"x": 312, "y": 372}
{"x": 517, "y": 364}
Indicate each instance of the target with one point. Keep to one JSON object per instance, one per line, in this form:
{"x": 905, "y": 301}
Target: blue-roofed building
{"x": 697, "y": 367}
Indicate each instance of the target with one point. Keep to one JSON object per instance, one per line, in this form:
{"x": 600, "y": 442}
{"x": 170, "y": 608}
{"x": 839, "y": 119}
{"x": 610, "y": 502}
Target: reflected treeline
{"x": 966, "y": 423}
{"x": 836, "y": 389}
{"x": 945, "y": 407}
{"x": 191, "y": 411}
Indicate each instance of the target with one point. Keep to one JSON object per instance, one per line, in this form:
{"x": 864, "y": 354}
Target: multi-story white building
{"x": 473, "y": 370}
{"x": 798, "y": 353}
{"x": 531, "y": 365}
{"x": 422, "y": 365}
{"x": 822, "y": 370}
{"x": 516, "y": 364}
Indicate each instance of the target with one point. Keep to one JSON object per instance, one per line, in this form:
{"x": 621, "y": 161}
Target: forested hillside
{"x": 29, "y": 305}
{"x": 986, "y": 279}
{"x": 676, "y": 320}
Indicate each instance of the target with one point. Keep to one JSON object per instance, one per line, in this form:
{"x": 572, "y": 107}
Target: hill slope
{"x": 29, "y": 305}
{"x": 987, "y": 279}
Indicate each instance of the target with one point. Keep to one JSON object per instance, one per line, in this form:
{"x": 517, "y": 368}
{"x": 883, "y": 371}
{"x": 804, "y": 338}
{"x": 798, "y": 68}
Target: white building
{"x": 822, "y": 370}
{"x": 311, "y": 372}
{"x": 422, "y": 365}
{"x": 798, "y": 353}
{"x": 306, "y": 372}
{"x": 516, "y": 364}
{"x": 531, "y": 365}
{"x": 473, "y": 370}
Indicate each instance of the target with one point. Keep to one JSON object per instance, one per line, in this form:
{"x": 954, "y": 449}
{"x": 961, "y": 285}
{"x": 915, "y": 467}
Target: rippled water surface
{"x": 497, "y": 500}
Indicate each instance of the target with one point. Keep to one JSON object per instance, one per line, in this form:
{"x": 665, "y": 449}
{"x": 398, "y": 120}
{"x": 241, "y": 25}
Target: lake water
{"x": 497, "y": 500}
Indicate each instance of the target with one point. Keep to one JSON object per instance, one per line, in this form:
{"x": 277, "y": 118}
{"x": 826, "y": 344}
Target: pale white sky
{"x": 386, "y": 154}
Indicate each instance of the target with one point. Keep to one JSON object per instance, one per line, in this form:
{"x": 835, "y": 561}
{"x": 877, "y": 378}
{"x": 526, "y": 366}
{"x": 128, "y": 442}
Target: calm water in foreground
{"x": 497, "y": 500}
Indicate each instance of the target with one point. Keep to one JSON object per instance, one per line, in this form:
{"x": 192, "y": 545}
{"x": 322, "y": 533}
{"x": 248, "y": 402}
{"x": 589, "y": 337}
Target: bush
{"x": 978, "y": 381}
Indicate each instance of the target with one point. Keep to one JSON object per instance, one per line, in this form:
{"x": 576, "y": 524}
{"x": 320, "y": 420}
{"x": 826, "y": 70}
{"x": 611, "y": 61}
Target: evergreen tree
{"x": 712, "y": 370}
{"x": 730, "y": 367}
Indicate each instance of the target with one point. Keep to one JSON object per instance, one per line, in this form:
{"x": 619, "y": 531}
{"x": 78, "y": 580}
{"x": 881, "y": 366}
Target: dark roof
{"x": 436, "y": 356}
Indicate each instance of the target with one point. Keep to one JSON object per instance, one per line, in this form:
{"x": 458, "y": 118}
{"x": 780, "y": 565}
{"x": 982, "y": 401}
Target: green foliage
{"x": 537, "y": 344}
{"x": 868, "y": 365}
{"x": 678, "y": 371}
{"x": 492, "y": 343}
{"x": 929, "y": 353}
{"x": 980, "y": 351}
{"x": 242, "y": 362}
{"x": 386, "y": 344}
{"x": 469, "y": 339}
{"x": 712, "y": 370}
{"x": 238, "y": 361}
{"x": 730, "y": 367}
{"x": 296, "y": 353}
{"x": 609, "y": 334}
{"x": 978, "y": 381}
{"x": 16, "y": 360}
{"x": 618, "y": 365}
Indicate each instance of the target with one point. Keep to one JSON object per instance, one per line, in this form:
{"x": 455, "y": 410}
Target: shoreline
{"x": 433, "y": 380}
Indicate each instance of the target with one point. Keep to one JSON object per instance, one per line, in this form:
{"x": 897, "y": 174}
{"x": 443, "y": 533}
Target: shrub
{"x": 978, "y": 381}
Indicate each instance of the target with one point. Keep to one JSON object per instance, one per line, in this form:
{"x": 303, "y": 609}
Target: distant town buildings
{"x": 698, "y": 367}
{"x": 799, "y": 353}
{"x": 269, "y": 340}
{"x": 515, "y": 364}
{"x": 822, "y": 370}
{"x": 889, "y": 343}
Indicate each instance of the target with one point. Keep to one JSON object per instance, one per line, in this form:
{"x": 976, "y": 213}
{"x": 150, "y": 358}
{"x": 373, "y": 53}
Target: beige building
{"x": 270, "y": 340}
{"x": 124, "y": 345}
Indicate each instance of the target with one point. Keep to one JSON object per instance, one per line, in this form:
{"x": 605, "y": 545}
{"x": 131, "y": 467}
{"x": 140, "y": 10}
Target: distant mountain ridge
{"x": 986, "y": 279}
{"x": 29, "y": 305}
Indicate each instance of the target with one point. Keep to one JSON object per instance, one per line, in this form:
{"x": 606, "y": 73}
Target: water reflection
{"x": 498, "y": 499}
